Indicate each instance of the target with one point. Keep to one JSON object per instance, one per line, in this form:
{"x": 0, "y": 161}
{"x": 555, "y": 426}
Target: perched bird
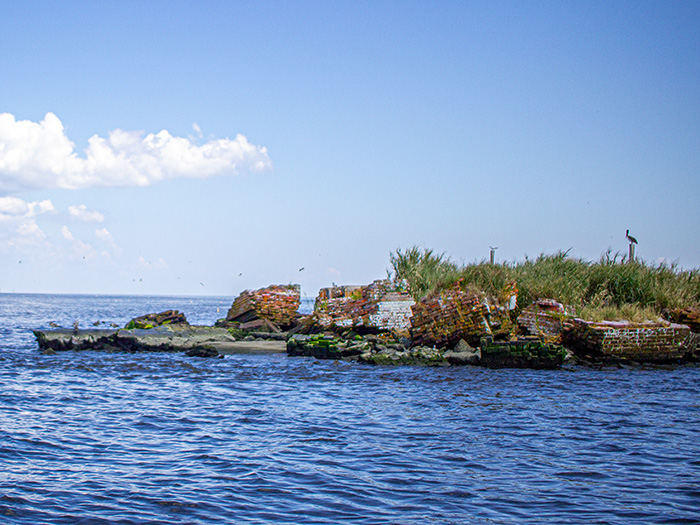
{"x": 53, "y": 325}
{"x": 631, "y": 239}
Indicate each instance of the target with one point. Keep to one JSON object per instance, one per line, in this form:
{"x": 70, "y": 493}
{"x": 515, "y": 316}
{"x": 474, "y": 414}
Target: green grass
{"x": 423, "y": 269}
{"x": 611, "y": 288}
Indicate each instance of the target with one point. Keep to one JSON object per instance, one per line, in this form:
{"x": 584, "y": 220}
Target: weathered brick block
{"x": 383, "y": 305}
{"x": 649, "y": 342}
{"x": 543, "y": 317}
{"x": 446, "y": 316}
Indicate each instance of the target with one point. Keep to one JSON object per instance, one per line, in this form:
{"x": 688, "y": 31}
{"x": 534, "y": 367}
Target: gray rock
{"x": 167, "y": 338}
{"x": 463, "y": 346}
{"x": 463, "y": 354}
{"x": 353, "y": 350}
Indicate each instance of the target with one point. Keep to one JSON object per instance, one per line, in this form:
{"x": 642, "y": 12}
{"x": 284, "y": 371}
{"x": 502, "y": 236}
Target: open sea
{"x": 91, "y": 437}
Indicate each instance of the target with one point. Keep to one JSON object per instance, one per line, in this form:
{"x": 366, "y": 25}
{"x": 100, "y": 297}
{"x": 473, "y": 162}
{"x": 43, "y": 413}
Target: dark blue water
{"x": 118, "y": 438}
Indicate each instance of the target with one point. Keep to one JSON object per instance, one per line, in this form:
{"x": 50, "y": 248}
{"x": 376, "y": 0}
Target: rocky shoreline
{"x": 381, "y": 324}
{"x": 197, "y": 341}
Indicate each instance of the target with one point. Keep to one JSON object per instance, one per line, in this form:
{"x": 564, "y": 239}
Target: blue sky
{"x": 209, "y": 147}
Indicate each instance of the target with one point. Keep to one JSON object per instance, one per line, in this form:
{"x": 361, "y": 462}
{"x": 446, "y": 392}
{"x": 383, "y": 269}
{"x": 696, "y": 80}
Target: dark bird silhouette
{"x": 631, "y": 239}
{"x": 301, "y": 269}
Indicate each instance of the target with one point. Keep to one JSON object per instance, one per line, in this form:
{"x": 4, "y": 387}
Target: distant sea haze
{"x": 96, "y": 437}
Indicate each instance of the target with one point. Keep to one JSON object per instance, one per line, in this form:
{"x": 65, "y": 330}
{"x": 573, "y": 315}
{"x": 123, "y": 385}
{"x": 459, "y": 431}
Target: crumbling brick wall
{"x": 382, "y": 305}
{"x": 646, "y": 343}
{"x": 277, "y": 303}
{"x": 543, "y": 317}
{"x": 446, "y": 316}
{"x": 686, "y": 316}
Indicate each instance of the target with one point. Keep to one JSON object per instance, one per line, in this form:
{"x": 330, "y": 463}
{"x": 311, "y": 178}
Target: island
{"x": 538, "y": 314}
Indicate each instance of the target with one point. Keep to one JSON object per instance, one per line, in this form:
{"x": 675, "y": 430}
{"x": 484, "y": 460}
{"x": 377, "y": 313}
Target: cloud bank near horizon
{"x": 39, "y": 155}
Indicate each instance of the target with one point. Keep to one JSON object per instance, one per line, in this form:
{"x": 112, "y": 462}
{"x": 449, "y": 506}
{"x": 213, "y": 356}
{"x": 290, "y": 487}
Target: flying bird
{"x": 631, "y": 239}
{"x": 301, "y": 269}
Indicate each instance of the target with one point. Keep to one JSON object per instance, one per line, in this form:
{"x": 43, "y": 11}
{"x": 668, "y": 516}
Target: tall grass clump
{"x": 551, "y": 276}
{"x": 609, "y": 289}
{"x": 423, "y": 270}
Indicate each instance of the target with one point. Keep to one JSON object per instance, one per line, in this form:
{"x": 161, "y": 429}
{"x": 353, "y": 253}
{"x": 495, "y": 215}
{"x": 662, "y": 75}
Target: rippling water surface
{"x": 117, "y": 438}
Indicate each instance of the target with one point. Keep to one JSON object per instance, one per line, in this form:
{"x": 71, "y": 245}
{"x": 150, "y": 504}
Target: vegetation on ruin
{"x": 611, "y": 288}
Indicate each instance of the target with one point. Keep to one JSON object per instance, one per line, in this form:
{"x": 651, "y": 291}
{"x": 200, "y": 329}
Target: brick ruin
{"x": 443, "y": 318}
{"x": 623, "y": 341}
{"x": 544, "y": 317}
{"x": 269, "y": 308}
{"x": 382, "y": 305}
{"x": 686, "y": 316}
{"x": 455, "y": 313}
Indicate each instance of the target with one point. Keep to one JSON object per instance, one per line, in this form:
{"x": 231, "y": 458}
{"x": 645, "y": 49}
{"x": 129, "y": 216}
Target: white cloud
{"x": 12, "y": 206}
{"x": 107, "y": 241}
{"x": 103, "y": 234}
{"x": 30, "y": 230}
{"x": 18, "y": 221}
{"x": 67, "y": 234}
{"x": 41, "y": 207}
{"x": 36, "y": 155}
{"x": 80, "y": 248}
{"x": 82, "y": 213}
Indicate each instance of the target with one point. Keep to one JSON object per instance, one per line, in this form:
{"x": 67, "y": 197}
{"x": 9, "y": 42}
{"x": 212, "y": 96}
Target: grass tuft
{"x": 609, "y": 289}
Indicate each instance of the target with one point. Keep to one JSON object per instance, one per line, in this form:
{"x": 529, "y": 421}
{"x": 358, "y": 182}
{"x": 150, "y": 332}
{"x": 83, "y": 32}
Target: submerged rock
{"x": 203, "y": 351}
